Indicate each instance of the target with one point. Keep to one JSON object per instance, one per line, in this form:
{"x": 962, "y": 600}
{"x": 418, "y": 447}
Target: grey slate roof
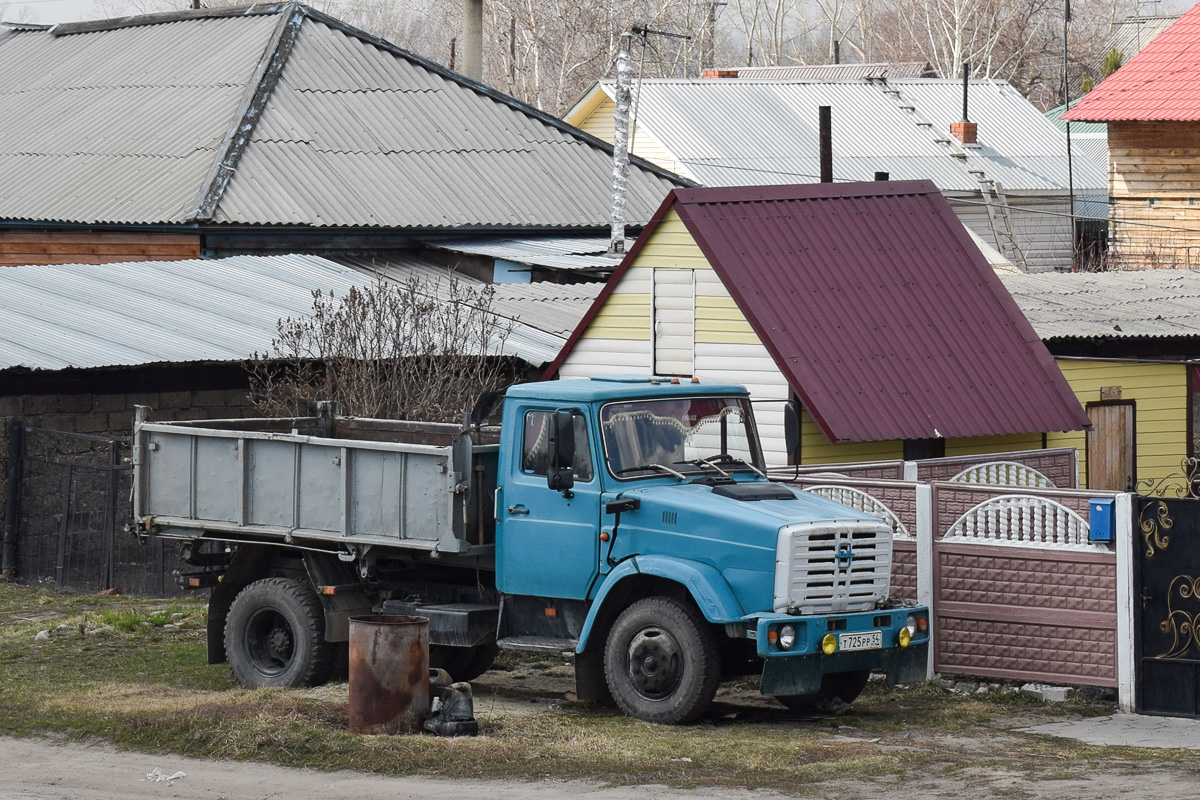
{"x": 745, "y": 132}
{"x": 1138, "y": 303}
{"x": 82, "y": 316}
{"x": 276, "y": 114}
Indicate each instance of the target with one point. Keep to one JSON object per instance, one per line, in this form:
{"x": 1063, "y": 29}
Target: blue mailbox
{"x": 1101, "y": 523}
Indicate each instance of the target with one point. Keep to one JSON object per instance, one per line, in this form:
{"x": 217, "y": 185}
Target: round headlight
{"x": 829, "y": 644}
{"x": 787, "y": 637}
{"x": 905, "y": 637}
{"x": 911, "y": 622}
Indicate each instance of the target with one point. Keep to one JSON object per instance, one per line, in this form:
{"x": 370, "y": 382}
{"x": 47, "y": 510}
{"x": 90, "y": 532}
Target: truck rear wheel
{"x": 661, "y": 662}
{"x": 275, "y": 635}
{"x": 838, "y": 690}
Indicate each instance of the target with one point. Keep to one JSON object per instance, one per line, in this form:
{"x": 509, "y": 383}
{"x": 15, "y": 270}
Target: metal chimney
{"x": 965, "y": 131}
{"x": 472, "y": 50}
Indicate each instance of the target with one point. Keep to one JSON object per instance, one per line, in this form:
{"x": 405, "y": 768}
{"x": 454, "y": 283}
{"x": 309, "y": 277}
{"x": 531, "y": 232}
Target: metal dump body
{"x": 287, "y": 485}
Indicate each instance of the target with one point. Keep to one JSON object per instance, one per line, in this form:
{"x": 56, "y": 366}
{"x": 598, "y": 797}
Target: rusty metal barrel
{"x": 389, "y": 673}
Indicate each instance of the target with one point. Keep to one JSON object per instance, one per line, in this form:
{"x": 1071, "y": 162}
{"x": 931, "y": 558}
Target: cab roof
{"x": 621, "y": 387}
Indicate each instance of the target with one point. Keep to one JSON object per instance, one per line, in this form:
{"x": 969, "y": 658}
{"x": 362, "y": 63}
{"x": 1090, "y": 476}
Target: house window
{"x": 535, "y": 449}
{"x": 673, "y": 317}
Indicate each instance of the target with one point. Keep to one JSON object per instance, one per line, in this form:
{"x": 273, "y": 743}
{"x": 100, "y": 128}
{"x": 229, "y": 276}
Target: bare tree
{"x": 416, "y": 350}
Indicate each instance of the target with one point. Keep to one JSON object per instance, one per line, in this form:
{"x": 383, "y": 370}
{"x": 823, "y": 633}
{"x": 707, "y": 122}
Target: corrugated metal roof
{"x": 1161, "y": 83}
{"x": 737, "y": 132}
{"x": 835, "y": 72}
{"x": 1130, "y": 35}
{"x": 1142, "y": 303}
{"x": 149, "y": 312}
{"x": 547, "y": 312}
{"x": 128, "y": 121}
{"x": 886, "y": 320}
{"x": 563, "y": 252}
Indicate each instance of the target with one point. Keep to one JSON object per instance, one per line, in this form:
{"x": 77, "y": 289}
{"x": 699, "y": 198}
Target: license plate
{"x": 870, "y": 640}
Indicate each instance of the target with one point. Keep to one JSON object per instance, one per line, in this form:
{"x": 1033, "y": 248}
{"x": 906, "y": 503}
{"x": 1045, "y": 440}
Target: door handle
{"x": 518, "y": 510}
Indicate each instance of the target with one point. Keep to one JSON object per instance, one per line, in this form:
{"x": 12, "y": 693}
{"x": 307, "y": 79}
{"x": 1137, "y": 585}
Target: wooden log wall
{"x": 1154, "y": 179}
{"x": 90, "y": 247}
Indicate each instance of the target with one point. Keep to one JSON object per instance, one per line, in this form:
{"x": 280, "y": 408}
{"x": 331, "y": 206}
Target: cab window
{"x": 535, "y": 449}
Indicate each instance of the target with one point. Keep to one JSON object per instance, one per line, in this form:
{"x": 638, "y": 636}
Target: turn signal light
{"x": 829, "y": 644}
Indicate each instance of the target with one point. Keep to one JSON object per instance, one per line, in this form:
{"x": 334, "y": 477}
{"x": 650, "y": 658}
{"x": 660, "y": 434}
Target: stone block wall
{"x": 110, "y": 414}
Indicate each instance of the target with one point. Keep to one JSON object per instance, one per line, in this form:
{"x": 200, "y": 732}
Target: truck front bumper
{"x": 868, "y": 640}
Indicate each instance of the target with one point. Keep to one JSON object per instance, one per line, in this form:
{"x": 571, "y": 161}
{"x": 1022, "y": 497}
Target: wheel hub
{"x": 655, "y": 663}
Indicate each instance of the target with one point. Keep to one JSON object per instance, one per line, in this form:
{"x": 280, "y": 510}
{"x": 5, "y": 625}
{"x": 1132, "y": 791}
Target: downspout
{"x": 620, "y": 173}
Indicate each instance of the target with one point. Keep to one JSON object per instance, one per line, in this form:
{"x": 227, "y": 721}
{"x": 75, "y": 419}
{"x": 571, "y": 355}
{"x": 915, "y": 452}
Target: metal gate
{"x": 71, "y": 497}
{"x": 1167, "y": 619}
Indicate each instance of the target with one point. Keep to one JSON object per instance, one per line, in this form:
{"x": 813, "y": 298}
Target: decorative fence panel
{"x": 1017, "y": 590}
{"x": 1059, "y": 465}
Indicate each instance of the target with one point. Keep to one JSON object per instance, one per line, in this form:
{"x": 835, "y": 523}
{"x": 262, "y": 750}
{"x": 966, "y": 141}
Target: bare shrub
{"x": 415, "y": 350}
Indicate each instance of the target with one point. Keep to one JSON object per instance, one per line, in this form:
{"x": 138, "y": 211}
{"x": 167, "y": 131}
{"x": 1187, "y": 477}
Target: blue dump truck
{"x": 627, "y": 520}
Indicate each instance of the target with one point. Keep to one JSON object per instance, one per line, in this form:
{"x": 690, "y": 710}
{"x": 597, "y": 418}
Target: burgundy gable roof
{"x": 1159, "y": 84}
{"x": 875, "y": 304}
{"x": 884, "y": 316}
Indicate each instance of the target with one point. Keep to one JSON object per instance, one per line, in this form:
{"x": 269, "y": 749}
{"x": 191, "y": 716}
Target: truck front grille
{"x": 831, "y": 567}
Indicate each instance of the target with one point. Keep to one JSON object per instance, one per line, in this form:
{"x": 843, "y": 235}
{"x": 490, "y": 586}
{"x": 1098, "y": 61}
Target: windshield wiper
{"x": 679, "y": 475}
{"x": 725, "y": 458}
{"x": 705, "y": 463}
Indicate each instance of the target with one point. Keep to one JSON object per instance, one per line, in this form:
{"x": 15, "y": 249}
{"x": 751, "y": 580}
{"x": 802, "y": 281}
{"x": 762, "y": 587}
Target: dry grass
{"x": 133, "y": 672}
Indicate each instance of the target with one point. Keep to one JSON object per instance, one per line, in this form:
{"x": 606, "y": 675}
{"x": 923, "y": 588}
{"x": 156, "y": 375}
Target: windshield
{"x": 711, "y": 435}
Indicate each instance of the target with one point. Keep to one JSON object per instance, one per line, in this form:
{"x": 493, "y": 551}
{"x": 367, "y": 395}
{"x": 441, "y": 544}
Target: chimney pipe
{"x": 965, "y": 131}
{"x": 826, "y": 134}
{"x": 472, "y": 54}
{"x": 837, "y": 51}
{"x": 966, "y": 87}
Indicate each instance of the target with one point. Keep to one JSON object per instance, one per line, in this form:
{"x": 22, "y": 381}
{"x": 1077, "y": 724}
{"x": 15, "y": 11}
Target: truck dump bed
{"x": 328, "y": 480}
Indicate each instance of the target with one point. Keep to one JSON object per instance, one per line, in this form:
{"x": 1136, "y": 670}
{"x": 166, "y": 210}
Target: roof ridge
{"x": 140, "y": 20}
{"x": 254, "y": 101}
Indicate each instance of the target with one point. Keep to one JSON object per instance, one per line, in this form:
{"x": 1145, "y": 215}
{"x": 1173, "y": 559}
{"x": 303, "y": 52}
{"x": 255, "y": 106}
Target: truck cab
{"x": 635, "y": 525}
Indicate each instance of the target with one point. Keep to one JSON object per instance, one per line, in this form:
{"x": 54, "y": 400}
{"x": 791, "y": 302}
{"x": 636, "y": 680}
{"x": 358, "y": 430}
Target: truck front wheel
{"x": 275, "y": 635}
{"x": 661, "y": 662}
{"x": 838, "y": 690}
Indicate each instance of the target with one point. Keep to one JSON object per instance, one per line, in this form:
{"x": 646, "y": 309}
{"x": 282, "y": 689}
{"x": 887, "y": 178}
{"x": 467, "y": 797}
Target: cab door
{"x": 547, "y": 542}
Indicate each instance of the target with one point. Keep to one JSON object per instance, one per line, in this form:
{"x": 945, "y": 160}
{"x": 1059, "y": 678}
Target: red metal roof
{"x": 877, "y": 307}
{"x": 1161, "y": 83}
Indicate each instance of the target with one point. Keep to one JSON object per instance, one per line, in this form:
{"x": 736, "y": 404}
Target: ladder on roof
{"x": 994, "y": 200}
{"x": 1000, "y": 219}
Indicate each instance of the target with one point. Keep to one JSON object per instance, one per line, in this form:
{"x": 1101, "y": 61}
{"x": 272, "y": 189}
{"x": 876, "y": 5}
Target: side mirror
{"x": 791, "y": 427}
{"x": 561, "y": 475}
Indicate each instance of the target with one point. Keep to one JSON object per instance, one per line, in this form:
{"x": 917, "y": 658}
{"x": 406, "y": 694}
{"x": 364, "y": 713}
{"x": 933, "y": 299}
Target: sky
{"x": 51, "y": 11}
